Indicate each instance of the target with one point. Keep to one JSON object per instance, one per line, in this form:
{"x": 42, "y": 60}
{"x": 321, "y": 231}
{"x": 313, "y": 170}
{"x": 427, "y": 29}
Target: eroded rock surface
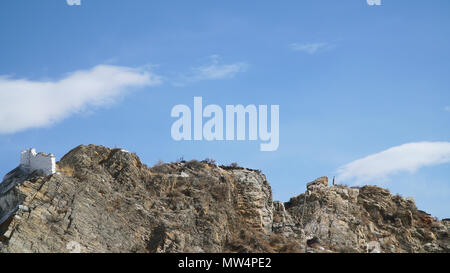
{"x": 106, "y": 200}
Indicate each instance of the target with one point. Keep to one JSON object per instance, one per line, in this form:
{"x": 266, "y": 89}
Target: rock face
{"x": 367, "y": 219}
{"x": 106, "y": 200}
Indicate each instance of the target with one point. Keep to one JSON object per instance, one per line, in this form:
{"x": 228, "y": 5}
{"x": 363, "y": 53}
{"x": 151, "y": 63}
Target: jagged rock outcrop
{"x": 367, "y": 219}
{"x": 106, "y": 200}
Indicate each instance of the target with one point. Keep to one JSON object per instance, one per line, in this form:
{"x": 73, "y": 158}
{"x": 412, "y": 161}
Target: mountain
{"x": 107, "y": 200}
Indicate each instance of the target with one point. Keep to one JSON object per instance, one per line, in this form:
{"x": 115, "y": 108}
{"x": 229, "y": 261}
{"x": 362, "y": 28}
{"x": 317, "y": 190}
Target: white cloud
{"x": 213, "y": 71}
{"x": 28, "y": 104}
{"x": 73, "y": 2}
{"x": 404, "y": 158}
{"x": 310, "y": 48}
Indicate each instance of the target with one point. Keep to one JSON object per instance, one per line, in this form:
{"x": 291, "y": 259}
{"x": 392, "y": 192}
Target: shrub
{"x": 66, "y": 170}
{"x": 290, "y": 247}
{"x": 159, "y": 163}
{"x": 194, "y": 164}
{"x": 220, "y": 192}
{"x": 209, "y": 161}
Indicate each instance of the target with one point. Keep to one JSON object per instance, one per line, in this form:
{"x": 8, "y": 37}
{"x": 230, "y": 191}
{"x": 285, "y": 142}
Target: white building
{"x": 32, "y": 161}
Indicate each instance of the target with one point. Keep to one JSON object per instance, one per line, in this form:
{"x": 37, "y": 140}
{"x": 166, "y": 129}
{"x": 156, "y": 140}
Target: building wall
{"x": 32, "y": 161}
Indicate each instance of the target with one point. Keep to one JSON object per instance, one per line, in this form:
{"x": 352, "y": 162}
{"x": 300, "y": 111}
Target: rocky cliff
{"x": 106, "y": 200}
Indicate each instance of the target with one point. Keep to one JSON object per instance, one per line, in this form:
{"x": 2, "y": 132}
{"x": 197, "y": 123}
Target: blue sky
{"x": 351, "y": 80}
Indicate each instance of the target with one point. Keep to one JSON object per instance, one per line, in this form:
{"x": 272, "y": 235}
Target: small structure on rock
{"x": 31, "y": 161}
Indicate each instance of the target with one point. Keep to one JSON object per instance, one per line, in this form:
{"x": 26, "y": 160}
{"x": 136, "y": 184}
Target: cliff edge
{"x": 107, "y": 200}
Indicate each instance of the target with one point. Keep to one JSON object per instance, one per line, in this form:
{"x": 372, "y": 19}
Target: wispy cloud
{"x": 214, "y": 70}
{"x": 404, "y": 158}
{"x": 447, "y": 108}
{"x": 28, "y": 104}
{"x": 310, "y": 48}
{"x": 73, "y": 2}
